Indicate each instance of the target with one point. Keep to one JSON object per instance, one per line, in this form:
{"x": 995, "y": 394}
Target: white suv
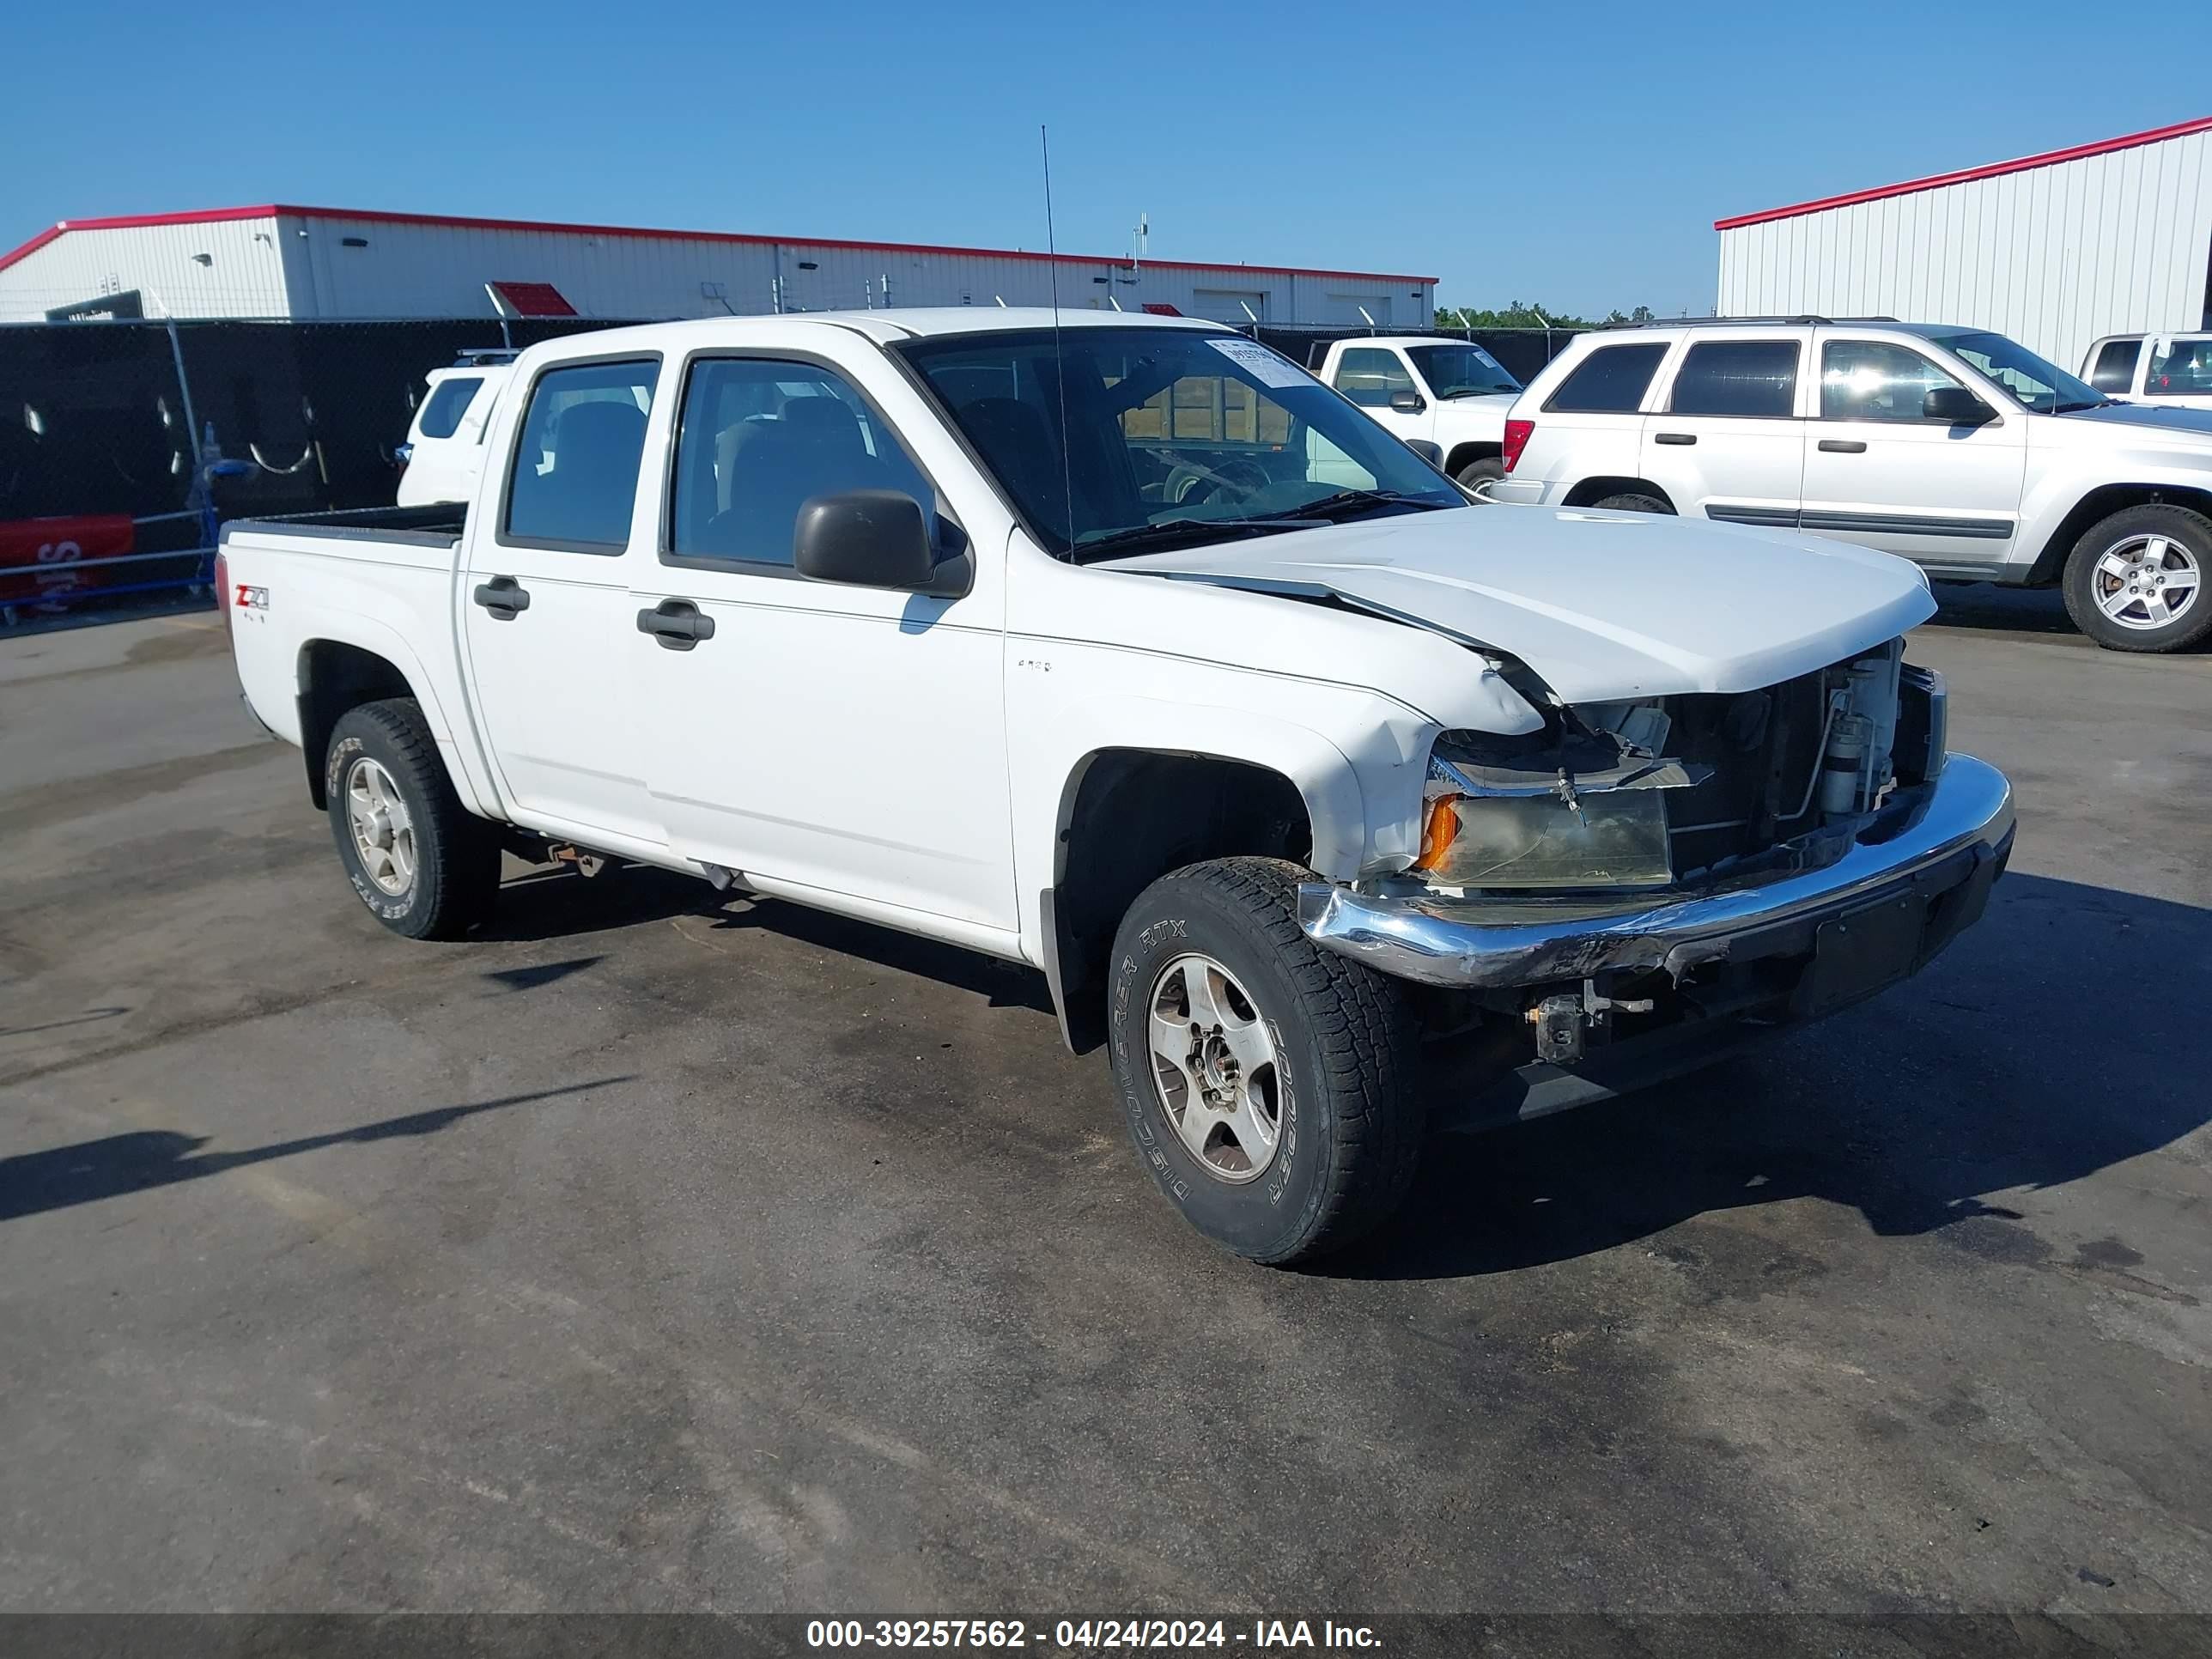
{"x": 1957, "y": 448}
{"x": 445, "y": 443}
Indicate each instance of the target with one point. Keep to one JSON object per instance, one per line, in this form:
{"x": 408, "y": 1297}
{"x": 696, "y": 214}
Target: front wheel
{"x": 2134, "y": 582}
{"x": 1269, "y": 1086}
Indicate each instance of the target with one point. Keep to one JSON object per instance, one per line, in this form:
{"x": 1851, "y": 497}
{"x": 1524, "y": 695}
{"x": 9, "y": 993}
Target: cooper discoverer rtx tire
{"x": 1269, "y": 1086}
{"x": 424, "y": 864}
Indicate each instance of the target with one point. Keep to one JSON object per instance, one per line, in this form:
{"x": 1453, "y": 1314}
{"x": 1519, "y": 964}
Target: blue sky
{"x": 1581, "y": 170}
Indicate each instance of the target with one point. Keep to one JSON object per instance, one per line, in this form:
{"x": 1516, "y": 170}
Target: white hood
{"x": 1602, "y": 605}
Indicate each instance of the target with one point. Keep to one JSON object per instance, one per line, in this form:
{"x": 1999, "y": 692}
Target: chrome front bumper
{"x": 1942, "y": 836}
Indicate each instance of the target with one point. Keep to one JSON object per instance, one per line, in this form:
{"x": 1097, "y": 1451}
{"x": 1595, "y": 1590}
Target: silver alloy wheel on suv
{"x": 2145, "y": 581}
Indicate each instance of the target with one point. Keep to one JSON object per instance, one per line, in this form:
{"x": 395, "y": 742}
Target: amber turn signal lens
{"x": 1437, "y": 834}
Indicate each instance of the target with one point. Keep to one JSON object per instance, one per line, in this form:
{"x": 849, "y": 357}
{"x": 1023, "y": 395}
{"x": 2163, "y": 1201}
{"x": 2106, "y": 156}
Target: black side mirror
{"x": 865, "y": 539}
{"x": 1955, "y": 406}
{"x": 1408, "y": 403}
{"x": 1432, "y": 453}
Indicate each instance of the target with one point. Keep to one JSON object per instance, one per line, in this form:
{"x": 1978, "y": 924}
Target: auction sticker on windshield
{"x": 1269, "y": 368}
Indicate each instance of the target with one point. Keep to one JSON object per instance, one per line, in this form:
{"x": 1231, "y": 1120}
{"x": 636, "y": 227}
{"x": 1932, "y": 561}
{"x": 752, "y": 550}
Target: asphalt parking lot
{"x": 658, "y": 1252}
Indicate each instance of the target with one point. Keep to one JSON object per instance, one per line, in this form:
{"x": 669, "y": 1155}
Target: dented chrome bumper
{"x": 1930, "y": 841}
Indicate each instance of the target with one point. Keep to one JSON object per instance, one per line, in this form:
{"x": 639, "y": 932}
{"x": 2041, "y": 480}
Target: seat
{"x": 590, "y": 493}
{"x": 814, "y": 447}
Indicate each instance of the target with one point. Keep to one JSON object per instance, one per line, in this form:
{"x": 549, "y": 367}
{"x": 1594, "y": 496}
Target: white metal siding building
{"x": 303, "y": 263}
{"x": 2053, "y": 250}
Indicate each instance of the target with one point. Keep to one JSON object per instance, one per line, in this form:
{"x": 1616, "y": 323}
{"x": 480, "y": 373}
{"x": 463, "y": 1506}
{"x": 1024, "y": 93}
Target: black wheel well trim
{"x": 1463, "y": 454}
{"x": 333, "y": 677}
{"x": 1092, "y": 888}
{"x": 1588, "y": 492}
{"x": 2050, "y": 566}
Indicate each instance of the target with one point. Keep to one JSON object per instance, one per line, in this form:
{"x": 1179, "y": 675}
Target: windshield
{"x": 2034, "y": 384}
{"x": 1171, "y": 434}
{"x": 1460, "y": 371}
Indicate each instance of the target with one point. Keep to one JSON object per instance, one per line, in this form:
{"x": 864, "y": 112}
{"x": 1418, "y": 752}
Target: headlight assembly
{"x": 1616, "y": 839}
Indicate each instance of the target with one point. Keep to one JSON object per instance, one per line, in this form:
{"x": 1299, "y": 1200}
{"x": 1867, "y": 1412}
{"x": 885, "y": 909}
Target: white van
{"x": 445, "y": 444}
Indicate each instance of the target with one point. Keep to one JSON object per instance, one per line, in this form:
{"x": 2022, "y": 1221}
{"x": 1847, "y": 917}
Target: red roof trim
{"x": 1967, "y": 175}
{"x": 372, "y": 216}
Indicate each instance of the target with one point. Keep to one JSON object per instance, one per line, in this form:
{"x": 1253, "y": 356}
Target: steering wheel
{"x": 1236, "y": 480}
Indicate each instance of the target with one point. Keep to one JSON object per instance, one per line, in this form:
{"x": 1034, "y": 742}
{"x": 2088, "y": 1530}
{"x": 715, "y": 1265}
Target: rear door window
{"x": 2115, "y": 368}
{"x": 448, "y": 401}
{"x": 576, "y": 469}
{"x": 1756, "y": 378}
{"x": 1611, "y": 381}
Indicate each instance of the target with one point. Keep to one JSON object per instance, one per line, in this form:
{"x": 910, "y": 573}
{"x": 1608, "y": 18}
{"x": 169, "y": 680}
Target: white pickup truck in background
{"x": 1429, "y": 389}
{"x": 1337, "y": 809}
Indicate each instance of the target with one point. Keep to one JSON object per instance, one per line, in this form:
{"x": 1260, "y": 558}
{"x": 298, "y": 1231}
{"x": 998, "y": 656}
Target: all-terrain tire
{"x": 2186, "y": 538}
{"x": 451, "y": 868}
{"x": 1635, "y": 500}
{"x": 1346, "y": 1084}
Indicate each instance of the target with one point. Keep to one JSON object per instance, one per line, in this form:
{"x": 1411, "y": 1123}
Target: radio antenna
{"x": 1059, "y": 357}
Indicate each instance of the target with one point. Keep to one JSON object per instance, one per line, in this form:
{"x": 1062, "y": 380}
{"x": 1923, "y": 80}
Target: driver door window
{"x": 1881, "y": 472}
{"x": 1869, "y": 380}
{"x": 1371, "y": 376}
{"x": 759, "y": 439}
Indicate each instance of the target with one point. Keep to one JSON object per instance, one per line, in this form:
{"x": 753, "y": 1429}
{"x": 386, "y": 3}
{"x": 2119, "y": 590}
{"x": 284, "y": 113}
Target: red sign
{"x": 54, "y": 548}
{"x": 533, "y": 298}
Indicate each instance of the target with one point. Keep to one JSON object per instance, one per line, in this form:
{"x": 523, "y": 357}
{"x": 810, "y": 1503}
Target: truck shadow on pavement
{"x": 2005, "y": 610}
{"x": 2013, "y": 1063}
{"x": 89, "y": 1170}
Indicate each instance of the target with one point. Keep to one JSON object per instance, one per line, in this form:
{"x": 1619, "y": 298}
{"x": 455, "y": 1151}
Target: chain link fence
{"x": 124, "y": 444}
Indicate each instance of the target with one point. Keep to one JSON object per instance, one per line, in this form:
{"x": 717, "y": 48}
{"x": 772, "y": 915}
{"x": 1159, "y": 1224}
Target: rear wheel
{"x": 2134, "y": 582}
{"x": 1269, "y": 1086}
{"x": 1632, "y": 501}
{"x": 424, "y": 864}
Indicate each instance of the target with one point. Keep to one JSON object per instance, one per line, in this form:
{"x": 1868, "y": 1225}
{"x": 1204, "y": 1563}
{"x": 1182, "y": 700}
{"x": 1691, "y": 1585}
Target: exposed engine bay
{"x": 1673, "y": 790}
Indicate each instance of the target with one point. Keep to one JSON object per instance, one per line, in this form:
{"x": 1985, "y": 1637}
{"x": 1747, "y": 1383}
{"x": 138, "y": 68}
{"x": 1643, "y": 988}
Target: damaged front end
{"x": 1641, "y": 882}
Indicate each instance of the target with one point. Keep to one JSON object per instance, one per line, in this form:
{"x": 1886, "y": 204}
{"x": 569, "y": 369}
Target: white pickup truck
{"x": 1337, "y": 809}
{"x": 1433, "y": 391}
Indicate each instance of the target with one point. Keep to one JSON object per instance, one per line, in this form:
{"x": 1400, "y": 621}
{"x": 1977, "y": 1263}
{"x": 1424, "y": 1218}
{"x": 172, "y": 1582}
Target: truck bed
{"x": 436, "y": 524}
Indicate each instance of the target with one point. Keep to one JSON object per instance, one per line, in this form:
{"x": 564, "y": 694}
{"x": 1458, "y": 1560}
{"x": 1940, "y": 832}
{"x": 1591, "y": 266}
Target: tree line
{"x": 1520, "y": 315}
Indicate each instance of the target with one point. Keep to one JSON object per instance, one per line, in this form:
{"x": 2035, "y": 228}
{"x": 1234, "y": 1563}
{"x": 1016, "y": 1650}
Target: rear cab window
{"x": 448, "y": 401}
{"x": 2179, "y": 368}
{"x": 1744, "y": 378}
{"x": 574, "y": 481}
{"x": 1611, "y": 381}
{"x": 2114, "y": 369}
